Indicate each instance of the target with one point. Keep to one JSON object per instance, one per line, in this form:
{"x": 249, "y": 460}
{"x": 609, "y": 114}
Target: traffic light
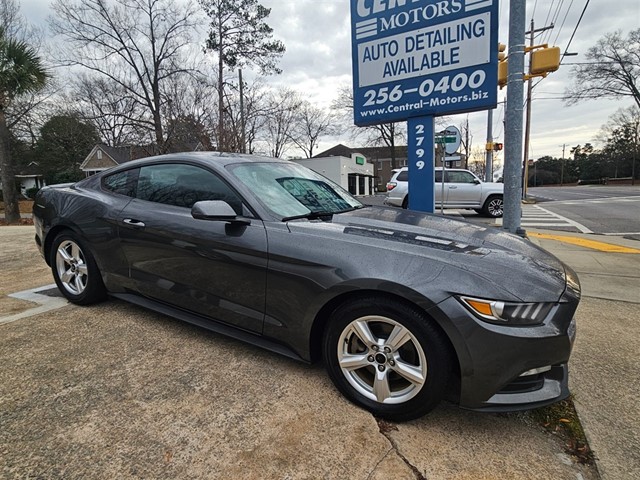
{"x": 545, "y": 60}
{"x": 497, "y": 146}
{"x": 501, "y": 55}
{"x": 502, "y": 65}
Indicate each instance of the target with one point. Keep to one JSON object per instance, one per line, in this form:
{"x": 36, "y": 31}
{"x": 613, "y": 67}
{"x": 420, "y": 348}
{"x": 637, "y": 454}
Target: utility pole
{"x": 466, "y": 144}
{"x": 488, "y": 167}
{"x": 562, "y": 165}
{"x": 513, "y": 120}
{"x": 527, "y": 131}
{"x": 243, "y": 146}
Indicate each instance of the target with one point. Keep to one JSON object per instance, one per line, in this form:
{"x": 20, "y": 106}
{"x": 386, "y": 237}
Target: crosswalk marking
{"x": 536, "y": 216}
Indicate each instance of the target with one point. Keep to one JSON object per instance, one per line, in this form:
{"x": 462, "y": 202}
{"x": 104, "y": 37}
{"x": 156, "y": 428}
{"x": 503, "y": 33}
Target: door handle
{"x": 133, "y": 223}
{"x": 452, "y": 187}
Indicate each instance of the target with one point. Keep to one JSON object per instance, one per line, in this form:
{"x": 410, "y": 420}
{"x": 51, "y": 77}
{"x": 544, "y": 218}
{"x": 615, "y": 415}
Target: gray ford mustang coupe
{"x": 406, "y": 309}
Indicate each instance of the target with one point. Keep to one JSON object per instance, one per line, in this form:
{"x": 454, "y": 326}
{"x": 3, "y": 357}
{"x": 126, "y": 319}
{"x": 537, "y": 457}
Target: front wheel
{"x": 75, "y": 270}
{"x": 493, "y": 207}
{"x": 387, "y": 358}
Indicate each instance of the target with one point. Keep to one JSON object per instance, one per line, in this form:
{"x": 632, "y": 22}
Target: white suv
{"x": 462, "y": 189}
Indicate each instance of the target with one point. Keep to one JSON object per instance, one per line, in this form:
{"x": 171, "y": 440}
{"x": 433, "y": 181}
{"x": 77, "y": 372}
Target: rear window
{"x": 122, "y": 183}
{"x": 403, "y": 176}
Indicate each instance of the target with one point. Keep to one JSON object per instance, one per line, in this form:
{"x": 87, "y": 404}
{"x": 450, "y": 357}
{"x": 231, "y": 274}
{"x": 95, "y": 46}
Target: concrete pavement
{"x": 114, "y": 390}
{"x": 604, "y": 363}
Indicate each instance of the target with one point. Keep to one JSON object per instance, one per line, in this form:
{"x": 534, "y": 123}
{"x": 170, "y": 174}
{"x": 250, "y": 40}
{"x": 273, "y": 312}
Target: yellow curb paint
{"x": 583, "y": 242}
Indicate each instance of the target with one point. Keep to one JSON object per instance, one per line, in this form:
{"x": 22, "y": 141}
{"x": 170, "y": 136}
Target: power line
{"x": 563, "y": 20}
{"x": 553, "y": 20}
{"x": 575, "y": 30}
{"x": 546, "y": 20}
{"x": 571, "y": 40}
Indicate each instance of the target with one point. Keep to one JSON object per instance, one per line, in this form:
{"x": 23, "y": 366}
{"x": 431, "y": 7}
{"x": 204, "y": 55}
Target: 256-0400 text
{"x": 457, "y": 83}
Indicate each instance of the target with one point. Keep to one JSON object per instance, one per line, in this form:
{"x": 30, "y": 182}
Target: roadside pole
{"x": 513, "y": 118}
{"x": 488, "y": 167}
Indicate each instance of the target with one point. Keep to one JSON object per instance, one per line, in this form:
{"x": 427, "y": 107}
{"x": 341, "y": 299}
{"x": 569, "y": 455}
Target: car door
{"x": 462, "y": 189}
{"x": 213, "y": 268}
{"x": 440, "y": 192}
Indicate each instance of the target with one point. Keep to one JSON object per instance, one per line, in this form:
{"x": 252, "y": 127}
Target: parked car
{"x": 405, "y": 308}
{"x": 462, "y": 189}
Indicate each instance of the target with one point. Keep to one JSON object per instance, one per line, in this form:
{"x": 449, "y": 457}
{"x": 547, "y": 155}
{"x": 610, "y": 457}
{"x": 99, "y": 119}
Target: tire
{"x": 494, "y": 206}
{"x": 405, "y": 202}
{"x": 75, "y": 270}
{"x": 364, "y": 365}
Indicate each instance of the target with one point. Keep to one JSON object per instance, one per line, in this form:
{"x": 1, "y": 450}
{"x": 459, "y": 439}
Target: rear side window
{"x": 403, "y": 176}
{"x": 183, "y": 185}
{"x": 460, "y": 177}
{"x": 122, "y": 183}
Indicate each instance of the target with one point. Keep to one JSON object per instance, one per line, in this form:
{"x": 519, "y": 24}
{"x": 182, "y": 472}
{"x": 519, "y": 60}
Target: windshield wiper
{"x": 310, "y": 216}
{"x": 314, "y": 215}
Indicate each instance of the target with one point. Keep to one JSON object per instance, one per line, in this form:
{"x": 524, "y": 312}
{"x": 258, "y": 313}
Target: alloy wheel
{"x": 495, "y": 207}
{"x": 71, "y": 267}
{"x": 382, "y": 359}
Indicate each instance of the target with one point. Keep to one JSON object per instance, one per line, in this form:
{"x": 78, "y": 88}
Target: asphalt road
{"x": 115, "y": 391}
{"x": 607, "y": 210}
{"x": 601, "y": 210}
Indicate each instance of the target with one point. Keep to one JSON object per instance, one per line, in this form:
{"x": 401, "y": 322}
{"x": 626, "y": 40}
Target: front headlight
{"x": 509, "y": 313}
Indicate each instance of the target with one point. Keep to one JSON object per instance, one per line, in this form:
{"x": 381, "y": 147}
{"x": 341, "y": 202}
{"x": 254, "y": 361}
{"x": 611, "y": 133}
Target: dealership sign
{"x": 423, "y": 58}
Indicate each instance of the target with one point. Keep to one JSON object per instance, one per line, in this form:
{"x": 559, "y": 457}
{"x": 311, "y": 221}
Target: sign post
{"x": 422, "y": 58}
{"x": 420, "y": 155}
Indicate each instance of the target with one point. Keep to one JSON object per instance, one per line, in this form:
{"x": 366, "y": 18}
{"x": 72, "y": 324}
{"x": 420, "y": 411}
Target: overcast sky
{"x": 316, "y": 34}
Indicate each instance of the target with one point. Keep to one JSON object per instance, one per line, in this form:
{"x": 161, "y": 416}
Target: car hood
{"x": 478, "y": 257}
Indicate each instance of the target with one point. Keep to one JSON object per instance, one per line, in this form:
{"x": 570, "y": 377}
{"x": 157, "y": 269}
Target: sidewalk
{"x": 603, "y": 366}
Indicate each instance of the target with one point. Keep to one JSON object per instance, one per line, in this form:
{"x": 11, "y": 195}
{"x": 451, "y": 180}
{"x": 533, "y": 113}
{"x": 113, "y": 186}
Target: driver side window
{"x": 183, "y": 185}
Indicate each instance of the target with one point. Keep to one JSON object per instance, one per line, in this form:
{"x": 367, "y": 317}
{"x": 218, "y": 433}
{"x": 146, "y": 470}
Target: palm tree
{"x": 21, "y": 72}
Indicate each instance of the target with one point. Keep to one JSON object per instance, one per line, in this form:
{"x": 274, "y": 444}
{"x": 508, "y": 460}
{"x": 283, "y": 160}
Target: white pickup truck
{"x": 462, "y": 189}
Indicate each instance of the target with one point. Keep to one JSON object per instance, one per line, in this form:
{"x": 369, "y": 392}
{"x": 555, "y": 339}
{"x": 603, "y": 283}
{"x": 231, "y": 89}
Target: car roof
{"x": 220, "y": 159}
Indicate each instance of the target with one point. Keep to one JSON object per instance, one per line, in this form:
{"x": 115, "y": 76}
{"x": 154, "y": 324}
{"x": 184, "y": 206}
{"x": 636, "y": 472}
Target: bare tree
{"x": 312, "y": 124}
{"x": 384, "y": 134}
{"x": 190, "y": 101}
{"x": 612, "y": 70}
{"x": 466, "y": 138}
{"x": 138, "y": 45}
{"x": 283, "y": 109}
{"x": 118, "y": 117}
{"x": 255, "y": 108}
{"x": 239, "y": 35}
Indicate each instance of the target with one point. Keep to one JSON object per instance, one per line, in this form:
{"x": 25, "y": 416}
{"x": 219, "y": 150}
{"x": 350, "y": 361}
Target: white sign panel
{"x": 448, "y": 46}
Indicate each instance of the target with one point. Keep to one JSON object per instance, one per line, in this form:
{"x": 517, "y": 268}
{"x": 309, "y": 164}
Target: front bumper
{"x": 493, "y": 358}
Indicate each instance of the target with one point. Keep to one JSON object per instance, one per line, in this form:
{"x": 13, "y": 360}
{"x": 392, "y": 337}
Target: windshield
{"x": 290, "y": 190}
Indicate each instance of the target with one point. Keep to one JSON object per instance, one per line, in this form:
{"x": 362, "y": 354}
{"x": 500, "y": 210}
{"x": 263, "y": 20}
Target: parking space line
{"x": 45, "y": 303}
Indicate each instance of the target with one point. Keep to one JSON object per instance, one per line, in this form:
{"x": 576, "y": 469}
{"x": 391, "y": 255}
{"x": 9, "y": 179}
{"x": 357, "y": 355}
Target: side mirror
{"x": 476, "y": 181}
{"x": 216, "y": 210}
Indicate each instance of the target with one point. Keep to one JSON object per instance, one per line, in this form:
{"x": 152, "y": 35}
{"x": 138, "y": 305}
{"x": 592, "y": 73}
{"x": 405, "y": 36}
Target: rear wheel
{"x": 494, "y": 206}
{"x": 75, "y": 270}
{"x": 387, "y": 358}
{"x": 405, "y": 202}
